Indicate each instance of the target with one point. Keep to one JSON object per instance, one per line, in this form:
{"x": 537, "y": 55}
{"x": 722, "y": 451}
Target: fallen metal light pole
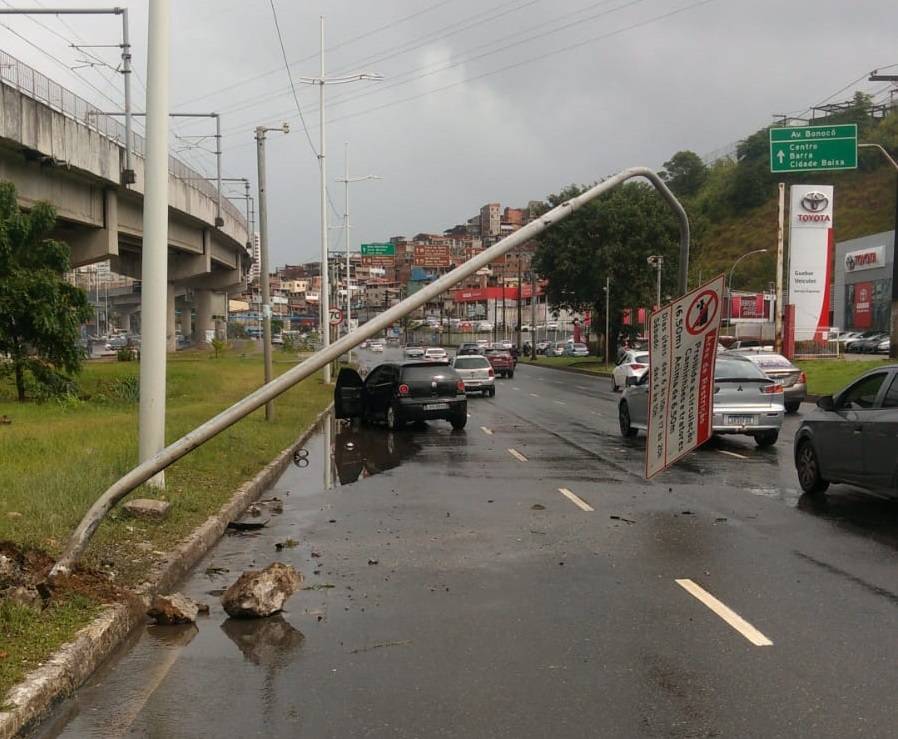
{"x": 186, "y": 444}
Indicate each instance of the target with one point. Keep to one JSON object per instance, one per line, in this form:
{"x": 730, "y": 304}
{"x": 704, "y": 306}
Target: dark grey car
{"x": 852, "y": 436}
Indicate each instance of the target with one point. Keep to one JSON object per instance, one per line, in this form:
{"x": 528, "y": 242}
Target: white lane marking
{"x": 583, "y": 387}
{"x": 560, "y": 402}
{"x": 576, "y": 500}
{"x": 595, "y": 413}
{"x": 534, "y": 395}
{"x": 732, "y": 454}
{"x": 726, "y": 613}
{"x": 487, "y": 431}
{"x": 517, "y": 455}
{"x": 516, "y": 388}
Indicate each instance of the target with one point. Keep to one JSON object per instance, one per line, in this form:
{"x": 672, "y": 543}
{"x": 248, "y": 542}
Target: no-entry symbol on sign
{"x": 702, "y": 311}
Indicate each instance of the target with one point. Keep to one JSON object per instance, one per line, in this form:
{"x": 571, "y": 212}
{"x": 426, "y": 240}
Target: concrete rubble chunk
{"x": 167, "y": 610}
{"x": 260, "y": 593}
{"x": 147, "y": 508}
{"x": 10, "y": 572}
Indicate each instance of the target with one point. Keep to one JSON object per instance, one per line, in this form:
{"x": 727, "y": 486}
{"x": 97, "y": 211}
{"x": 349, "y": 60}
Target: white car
{"x": 435, "y": 354}
{"x": 633, "y": 363}
{"x": 504, "y": 344}
{"x": 414, "y": 352}
{"x": 376, "y": 346}
{"x": 477, "y": 372}
{"x": 484, "y": 326}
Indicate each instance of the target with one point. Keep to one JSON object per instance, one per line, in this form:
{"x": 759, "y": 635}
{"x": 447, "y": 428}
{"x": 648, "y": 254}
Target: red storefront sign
{"x": 863, "y": 304}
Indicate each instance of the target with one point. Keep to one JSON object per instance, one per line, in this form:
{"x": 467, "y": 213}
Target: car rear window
{"x": 471, "y": 363}
{"x": 737, "y": 369}
{"x": 772, "y": 361}
{"x": 426, "y": 373}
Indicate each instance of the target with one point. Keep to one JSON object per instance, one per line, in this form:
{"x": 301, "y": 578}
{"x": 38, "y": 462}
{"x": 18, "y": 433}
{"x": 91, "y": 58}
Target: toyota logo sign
{"x": 814, "y": 202}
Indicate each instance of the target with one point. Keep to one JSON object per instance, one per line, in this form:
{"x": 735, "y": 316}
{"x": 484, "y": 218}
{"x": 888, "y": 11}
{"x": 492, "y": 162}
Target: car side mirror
{"x": 826, "y": 403}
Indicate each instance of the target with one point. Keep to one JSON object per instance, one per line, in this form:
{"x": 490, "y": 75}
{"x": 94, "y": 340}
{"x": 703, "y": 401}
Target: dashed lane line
{"x": 534, "y": 395}
{"x": 560, "y": 402}
{"x": 576, "y": 500}
{"x": 726, "y": 613}
{"x": 487, "y": 431}
{"x": 517, "y": 455}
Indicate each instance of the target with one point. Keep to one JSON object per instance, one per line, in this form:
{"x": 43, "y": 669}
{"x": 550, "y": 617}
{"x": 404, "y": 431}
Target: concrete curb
{"x": 33, "y": 698}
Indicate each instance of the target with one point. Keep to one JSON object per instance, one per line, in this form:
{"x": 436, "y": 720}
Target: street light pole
{"x": 657, "y": 262}
{"x": 154, "y": 261}
{"x": 607, "y": 319}
{"x": 730, "y": 280}
{"x": 347, "y": 181}
{"x": 263, "y": 257}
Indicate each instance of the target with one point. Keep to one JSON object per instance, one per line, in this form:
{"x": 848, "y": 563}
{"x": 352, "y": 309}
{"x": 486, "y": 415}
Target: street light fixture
{"x": 730, "y": 281}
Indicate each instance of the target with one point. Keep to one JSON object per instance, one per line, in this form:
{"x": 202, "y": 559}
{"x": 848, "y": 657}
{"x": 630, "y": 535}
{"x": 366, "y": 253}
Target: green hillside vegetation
{"x": 733, "y": 202}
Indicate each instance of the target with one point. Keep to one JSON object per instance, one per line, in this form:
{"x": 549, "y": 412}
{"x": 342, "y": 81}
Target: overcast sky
{"x": 483, "y": 100}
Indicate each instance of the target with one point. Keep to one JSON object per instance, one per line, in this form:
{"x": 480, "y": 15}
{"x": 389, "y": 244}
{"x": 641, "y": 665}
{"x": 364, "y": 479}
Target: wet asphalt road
{"x": 455, "y": 592}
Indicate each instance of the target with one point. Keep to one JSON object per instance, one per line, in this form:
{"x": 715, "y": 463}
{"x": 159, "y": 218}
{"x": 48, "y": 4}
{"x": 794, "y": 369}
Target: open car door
{"x": 349, "y": 394}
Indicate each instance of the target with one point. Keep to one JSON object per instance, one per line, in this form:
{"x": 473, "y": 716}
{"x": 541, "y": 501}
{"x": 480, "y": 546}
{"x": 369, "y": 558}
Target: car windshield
{"x": 734, "y": 370}
{"x": 471, "y": 363}
{"x": 641, "y": 358}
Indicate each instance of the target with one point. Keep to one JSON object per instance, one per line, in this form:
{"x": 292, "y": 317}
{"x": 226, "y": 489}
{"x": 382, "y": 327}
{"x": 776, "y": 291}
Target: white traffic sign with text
{"x": 682, "y": 352}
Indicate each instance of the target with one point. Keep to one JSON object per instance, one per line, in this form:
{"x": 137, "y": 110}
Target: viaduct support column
{"x": 204, "y": 320}
{"x": 171, "y": 340}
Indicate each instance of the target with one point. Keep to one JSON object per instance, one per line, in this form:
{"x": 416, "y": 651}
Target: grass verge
{"x": 57, "y": 457}
{"x": 827, "y": 376}
{"x": 590, "y": 364}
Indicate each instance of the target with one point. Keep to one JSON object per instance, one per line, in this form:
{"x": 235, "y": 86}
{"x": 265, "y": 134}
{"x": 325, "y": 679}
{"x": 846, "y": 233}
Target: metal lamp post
{"x": 657, "y": 262}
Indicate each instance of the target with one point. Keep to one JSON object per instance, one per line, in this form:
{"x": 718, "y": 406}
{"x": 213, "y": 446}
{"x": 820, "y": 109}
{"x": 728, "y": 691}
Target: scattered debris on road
{"x": 286, "y": 544}
{"x": 173, "y": 609}
{"x": 260, "y": 593}
{"x": 372, "y": 561}
{"x": 621, "y": 518}
{"x": 212, "y": 571}
{"x": 381, "y": 645}
{"x": 247, "y": 525}
{"x": 537, "y": 507}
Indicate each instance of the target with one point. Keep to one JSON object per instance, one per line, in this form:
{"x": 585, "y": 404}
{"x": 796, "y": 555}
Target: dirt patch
{"x": 32, "y": 567}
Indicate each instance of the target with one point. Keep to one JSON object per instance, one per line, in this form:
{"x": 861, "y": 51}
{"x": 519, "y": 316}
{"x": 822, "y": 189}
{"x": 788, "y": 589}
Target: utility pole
{"x": 657, "y": 262}
{"x": 520, "y": 290}
{"x": 154, "y": 259}
{"x": 533, "y": 302}
{"x": 607, "y": 320}
{"x": 322, "y": 81}
{"x": 263, "y": 257}
{"x": 347, "y": 181}
{"x": 780, "y": 259}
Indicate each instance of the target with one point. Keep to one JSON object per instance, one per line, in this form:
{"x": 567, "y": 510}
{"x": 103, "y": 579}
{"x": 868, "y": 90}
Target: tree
{"x": 40, "y": 313}
{"x": 685, "y": 173}
{"x": 611, "y": 236}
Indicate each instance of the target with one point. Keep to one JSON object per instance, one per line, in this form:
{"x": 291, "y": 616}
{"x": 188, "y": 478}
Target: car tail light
{"x": 803, "y": 378}
{"x": 460, "y": 385}
{"x": 403, "y": 389}
{"x": 637, "y": 366}
{"x": 492, "y": 374}
{"x": 772, "y": 389}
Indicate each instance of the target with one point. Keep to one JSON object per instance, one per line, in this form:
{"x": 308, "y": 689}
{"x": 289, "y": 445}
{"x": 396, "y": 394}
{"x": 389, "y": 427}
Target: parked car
{"x": 477, "y": 372}
{"x": 469, "y": 348}
{"x": 633, "y": 363}
{"x": 376, "y": 346}
{"x": 869, "y": 344}
{"x": 884, "y": 346}
{"x": 746, "y": 401}
{"x": 396, "y": 393}
{"x": 542, "y": 346}
{"x": 556, "y": 350}
{"x": 502, "y": 362}
{"x": 435, "y": 353}
{"x": 846, "y": 336}
{"x": 414, "y": 352}
{"x": 852, "y": 436}
{"x": 484, "y": 326}
{"x": 576, "y": 350}
{"x": 780, "y": 369}
{"x": 856, "y": 344}
{"x": 503, "y": 344}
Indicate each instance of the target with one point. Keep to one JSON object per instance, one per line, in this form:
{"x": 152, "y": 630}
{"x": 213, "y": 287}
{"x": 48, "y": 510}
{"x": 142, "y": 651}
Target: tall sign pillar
{"x": 811, "y": 246}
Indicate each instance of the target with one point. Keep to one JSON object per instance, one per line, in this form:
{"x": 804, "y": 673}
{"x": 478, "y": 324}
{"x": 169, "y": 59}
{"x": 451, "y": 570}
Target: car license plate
{"x": 741, "y": 420}
{"x": 436, "y": 407}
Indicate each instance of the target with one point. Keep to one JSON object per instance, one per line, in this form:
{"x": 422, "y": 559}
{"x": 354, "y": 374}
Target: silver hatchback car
{"x": 746, "y": 401}
{"x": 852, "y": 436}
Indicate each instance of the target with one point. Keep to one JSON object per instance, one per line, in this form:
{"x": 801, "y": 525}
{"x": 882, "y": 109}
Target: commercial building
{"x": 862, "y": 288}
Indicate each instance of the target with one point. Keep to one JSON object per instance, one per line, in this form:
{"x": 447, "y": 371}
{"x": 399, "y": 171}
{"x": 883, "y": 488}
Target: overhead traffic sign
{"x": 378, "y": 250}
{"x": 813, "y": 148}
{"x": 336, "y": 316}
{"x": 682, "y": 352}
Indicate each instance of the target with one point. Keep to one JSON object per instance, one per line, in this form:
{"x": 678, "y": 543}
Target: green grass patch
{"x": 28, "y": 637}
{"x": 827, "y": 376}
{"x": 589, "y": 364}
{"x": 57, "y": 457}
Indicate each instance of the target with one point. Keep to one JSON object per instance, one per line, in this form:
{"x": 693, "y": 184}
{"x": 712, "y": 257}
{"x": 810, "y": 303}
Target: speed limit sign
{"x": 336, "y": 316}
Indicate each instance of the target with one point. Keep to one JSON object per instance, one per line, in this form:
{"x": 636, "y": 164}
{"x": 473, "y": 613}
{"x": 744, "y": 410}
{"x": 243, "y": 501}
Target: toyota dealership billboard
{"x": 810, "y": 257}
